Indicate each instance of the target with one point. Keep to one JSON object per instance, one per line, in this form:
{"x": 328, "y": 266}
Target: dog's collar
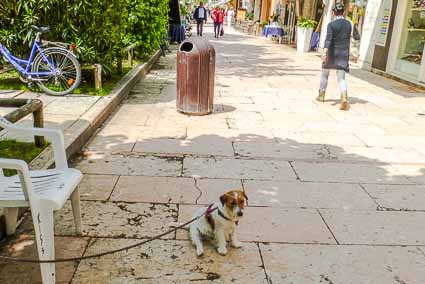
{"x": 210, "y": 210}
{"x": 225, "y": 217}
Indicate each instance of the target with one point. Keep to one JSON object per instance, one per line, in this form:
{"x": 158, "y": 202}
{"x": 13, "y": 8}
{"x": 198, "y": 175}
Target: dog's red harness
{"x": 210, "y": 220}
{"x": 208, "y": 216}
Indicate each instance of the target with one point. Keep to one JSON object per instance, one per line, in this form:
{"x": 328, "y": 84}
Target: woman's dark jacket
{"x": 338, "y": 44}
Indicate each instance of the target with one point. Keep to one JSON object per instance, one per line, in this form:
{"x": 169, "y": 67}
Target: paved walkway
{"x": 334, "y": 197}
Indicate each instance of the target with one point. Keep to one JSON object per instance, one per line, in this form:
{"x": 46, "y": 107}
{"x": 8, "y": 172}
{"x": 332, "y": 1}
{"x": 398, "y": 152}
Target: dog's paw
{"x": 199, "y": 252}
{"x": 222, "y": 250}
{"x": 237, "y": 244}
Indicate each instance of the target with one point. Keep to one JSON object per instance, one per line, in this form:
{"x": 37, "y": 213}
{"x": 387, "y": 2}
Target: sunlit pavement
{"x": 334, "y": 197}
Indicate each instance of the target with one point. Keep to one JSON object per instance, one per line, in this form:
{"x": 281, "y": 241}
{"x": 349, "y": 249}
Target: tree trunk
{"x": 298, "y": 8}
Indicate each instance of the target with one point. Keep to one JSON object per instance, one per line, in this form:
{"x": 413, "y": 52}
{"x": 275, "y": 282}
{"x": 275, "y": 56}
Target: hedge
{"x": 100, "y": 28}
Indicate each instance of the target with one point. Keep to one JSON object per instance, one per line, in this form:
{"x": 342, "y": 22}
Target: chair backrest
{"x": 23, "y": 175}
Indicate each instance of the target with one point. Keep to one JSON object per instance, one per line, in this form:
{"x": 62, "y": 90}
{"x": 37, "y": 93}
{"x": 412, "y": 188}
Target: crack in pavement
{"x": 200, "y": 191}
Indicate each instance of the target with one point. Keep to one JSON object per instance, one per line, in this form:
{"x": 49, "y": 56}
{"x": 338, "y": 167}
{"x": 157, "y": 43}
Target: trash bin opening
{"x": 186, "y": 47}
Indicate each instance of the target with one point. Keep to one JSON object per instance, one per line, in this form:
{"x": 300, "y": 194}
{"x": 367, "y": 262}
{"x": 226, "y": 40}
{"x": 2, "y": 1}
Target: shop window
{"x": 413, "y": 38}
{"x": 356, "y": 13}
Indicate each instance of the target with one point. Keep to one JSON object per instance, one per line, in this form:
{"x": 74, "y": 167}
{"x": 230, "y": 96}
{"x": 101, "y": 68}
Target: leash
{"x": 97, "y": 255}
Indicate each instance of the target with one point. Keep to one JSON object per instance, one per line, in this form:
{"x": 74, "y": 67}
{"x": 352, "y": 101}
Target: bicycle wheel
{"x": 65, "y": 76}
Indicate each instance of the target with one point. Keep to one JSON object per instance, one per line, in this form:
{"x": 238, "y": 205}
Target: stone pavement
{"x": 334, "y": 197}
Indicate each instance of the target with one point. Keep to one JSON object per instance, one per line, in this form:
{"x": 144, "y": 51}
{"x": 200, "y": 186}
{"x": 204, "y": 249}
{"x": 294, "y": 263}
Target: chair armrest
{"x": 55, "y": 135}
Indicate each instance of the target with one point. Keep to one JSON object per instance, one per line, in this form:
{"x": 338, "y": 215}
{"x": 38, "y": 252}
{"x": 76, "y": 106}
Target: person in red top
{"x": 218, "y": 18}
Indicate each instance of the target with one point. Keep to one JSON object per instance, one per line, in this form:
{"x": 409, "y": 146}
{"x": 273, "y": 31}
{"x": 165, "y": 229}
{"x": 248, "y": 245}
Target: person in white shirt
{"x": 230, "y": 14}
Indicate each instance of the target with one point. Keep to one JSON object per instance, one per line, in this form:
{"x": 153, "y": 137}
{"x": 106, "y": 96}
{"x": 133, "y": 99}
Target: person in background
{"x": 218, "y": 18}
{"x": 336, "y": 54}
{"x": 200, "y": 17}
{"x": 229, "y": 16}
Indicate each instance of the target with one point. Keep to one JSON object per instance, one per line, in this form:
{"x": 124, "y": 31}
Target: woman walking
{"x": 337, "y": 54}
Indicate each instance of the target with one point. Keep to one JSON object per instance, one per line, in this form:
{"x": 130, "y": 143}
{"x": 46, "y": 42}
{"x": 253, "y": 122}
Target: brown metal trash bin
{"x": 195, "y": 77}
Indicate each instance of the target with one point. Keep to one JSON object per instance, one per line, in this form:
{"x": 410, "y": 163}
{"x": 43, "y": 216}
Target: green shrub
{"x": 100, "y": 28}
{"x": 306, "y": 23}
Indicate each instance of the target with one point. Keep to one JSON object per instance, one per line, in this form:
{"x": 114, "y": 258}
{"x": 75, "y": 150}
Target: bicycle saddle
{"x": 41, "y": 29}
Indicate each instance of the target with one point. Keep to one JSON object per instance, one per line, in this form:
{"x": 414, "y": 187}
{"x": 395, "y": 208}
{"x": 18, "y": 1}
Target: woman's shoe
{"x": 321, "y": 96}
{"x": 344, "y": 101}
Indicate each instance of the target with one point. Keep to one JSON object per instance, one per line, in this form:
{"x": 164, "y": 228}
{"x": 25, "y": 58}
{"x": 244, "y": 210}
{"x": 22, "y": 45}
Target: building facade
{"x": 395, "y": 39}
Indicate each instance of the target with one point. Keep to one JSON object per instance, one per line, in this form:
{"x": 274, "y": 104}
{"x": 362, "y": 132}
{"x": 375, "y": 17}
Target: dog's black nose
{"x": 240, "y": 214}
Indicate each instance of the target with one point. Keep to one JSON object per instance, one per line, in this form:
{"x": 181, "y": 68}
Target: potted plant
{"x": 305, "y": 28}
{"x": 274, "y": 18}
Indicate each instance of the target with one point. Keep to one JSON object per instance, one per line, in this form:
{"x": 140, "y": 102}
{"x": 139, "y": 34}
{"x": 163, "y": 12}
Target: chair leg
{"x": 44, "y": 233}
{"x": 76, "y": 210}
{"x": 11, "y": 219}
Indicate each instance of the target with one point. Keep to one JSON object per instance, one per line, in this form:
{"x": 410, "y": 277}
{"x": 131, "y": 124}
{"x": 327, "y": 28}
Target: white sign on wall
{"x": 384, "y": 22}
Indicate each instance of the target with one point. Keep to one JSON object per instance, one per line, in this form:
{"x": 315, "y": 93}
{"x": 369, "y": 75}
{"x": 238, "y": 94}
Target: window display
{"x": 413, "y": 39}
{"x": 356, "y": 12}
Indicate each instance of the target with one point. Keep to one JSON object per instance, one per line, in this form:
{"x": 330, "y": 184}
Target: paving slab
{"x": 74, "y": 105}
{"x": 7, "y": 94}
{"x": 203, "y": 145}
{"x": 397, "y": 197}
{"x": 152, "y": 132}
{"x": 329, "y": 264}
{"x": 114, "y": 219}
{"x": 129, "y": 164}
{"x": 308, "y": 195}
{"x": 273, "y": 225}
{"x": 237, "y": 168}
{"x": 376, "y": 227}
{"x": 167, "y": 118}
{"x": 155, "y": 190}
{"x": 168, "y": 262}
{"x": 129, "y": 115}
{"x": 288, "y": 151}
{"x": 350, "y": 173}
{"x": 24, "y": 246}
{"x": 97, "y": 187}
{"x": 114, "y": 138}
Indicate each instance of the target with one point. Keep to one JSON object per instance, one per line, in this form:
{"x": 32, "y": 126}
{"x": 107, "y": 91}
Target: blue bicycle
{"x": 54, "y": 69}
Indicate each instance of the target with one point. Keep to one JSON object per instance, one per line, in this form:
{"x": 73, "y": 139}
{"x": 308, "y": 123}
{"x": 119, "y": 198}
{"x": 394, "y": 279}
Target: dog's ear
{"x": 223, "y": 199}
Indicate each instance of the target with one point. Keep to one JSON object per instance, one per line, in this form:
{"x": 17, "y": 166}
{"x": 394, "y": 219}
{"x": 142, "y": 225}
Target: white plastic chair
{"x": 43, "y": 191}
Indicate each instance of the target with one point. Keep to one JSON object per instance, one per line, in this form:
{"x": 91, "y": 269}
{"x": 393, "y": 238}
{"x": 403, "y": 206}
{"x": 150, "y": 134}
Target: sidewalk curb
{"x": 81, "y": 130}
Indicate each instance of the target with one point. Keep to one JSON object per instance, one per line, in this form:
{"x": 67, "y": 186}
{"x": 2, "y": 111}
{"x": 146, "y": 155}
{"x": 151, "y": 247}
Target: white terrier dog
{"x": 219, "y": 224}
